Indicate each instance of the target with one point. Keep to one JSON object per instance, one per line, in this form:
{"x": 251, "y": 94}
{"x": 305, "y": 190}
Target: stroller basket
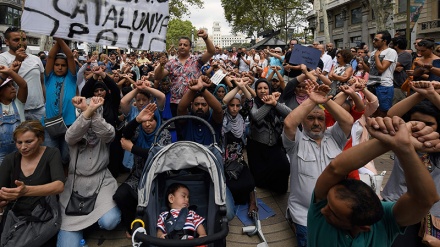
{"x": 190, "y": 163}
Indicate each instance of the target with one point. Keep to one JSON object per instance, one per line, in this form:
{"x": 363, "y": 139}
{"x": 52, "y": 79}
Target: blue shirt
{"x": 53, "y": 85}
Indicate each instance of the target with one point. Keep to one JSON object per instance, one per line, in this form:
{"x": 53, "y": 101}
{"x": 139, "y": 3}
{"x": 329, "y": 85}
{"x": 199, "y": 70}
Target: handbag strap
{"x": 74, "y": 175}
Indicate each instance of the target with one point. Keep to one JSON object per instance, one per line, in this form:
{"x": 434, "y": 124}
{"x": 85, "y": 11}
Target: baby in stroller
{"x": 179, "y": 222}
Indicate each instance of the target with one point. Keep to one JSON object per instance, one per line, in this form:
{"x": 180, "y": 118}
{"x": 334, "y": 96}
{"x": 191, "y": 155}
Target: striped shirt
{"x": 193, "y": 220}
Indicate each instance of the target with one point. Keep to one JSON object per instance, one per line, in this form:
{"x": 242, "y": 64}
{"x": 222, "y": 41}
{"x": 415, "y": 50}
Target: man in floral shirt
{"x": 184, "y": 67}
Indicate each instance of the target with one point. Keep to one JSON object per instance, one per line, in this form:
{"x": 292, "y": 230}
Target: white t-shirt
{"x": 8, "y": 110}
{"x": 386, "y": 78}
{"x": 31, "y": 69}
{"x": 328, "y": 63}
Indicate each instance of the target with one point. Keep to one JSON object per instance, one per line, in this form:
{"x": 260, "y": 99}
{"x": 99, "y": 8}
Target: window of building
{"x": 321, "y": 25}
{"x": 356, "y": 16}
{"x": 339, "y": 43}
{"x": 402, "y": 6}
{"x": 9, "y": 16}
{"x": 339, "y": 22}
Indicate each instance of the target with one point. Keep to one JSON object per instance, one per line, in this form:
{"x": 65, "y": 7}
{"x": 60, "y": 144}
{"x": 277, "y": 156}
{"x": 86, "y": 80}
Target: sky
{"x": 212, "y": 11}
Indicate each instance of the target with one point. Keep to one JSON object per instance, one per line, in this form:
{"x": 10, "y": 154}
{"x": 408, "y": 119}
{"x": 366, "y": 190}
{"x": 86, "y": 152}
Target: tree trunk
{"x": 323, "y": 6}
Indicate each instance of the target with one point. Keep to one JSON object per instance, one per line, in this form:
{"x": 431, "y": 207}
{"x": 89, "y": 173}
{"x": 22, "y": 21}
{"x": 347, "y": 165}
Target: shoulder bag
{"x": 81, "y": 205}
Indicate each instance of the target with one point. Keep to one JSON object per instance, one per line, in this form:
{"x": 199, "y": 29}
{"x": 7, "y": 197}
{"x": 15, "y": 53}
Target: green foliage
{"x": 179, "y": 8}
{"x": 178, "y": 28}
{"x": 253, "y": 16}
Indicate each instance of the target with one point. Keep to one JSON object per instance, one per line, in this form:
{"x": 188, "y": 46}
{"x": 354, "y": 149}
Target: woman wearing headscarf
{"x": 89, "y": 138}
{"x": 267, "y": 158}
{"x": 138, "y": 138}
{"x": 220, "y": 92}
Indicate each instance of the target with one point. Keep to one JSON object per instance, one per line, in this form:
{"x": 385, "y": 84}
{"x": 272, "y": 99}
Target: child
{"x": 178, "y": 199}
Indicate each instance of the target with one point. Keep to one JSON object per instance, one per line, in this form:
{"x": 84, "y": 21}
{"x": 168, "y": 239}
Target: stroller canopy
{"x": 182, "y": 155}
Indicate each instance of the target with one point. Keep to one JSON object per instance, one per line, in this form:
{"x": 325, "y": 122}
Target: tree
{"x": 178, "y": 28}
{"x": 382, "y": 11}
{"x": 253, "y": 16}
{"x": 178, "y": 8}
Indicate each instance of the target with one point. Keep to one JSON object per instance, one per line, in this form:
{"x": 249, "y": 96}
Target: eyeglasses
{"x": 376, "y": 39}
{"x": 416, "y": 44}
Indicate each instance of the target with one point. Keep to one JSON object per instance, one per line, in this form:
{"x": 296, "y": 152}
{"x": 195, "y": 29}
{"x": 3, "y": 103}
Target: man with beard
{"x": 311, "y": 149}
{"x": 382, "y": 63}
{"x": 31, "y": 70}
{"x": 184, "y": 68}
{"x": 201, "y": 103}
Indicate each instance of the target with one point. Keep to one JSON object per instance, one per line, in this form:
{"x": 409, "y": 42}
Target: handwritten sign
{"x": 218, "y": 77}
{"x": 135, "y": 24}
{"x": 305, "y": 55}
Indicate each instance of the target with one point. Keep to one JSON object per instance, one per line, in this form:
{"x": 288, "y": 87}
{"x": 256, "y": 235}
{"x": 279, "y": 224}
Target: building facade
{"x": 10, "y": 15}
{"x": 353, "y": 22}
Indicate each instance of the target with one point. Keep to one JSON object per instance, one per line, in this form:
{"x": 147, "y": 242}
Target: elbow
{"x": 59, "y": 187}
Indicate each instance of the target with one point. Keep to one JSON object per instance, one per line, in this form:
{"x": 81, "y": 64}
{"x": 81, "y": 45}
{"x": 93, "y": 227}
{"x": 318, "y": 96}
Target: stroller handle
{"x": 184, "y": 243}
{"x": 184, "y": 117}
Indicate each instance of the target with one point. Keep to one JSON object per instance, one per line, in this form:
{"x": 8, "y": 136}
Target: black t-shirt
{"x": 292, "y": 72}
{"x": 49, "y": 169}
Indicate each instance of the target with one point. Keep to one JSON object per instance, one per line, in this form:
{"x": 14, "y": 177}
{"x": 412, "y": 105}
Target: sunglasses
{"x": 375, "y": 39}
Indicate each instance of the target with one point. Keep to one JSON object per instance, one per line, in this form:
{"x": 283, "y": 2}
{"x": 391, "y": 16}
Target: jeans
{"x": 301, "y": 235}
{"x": 230, "y": 205}
{"x": 61, "y": 144}
{"x": 108, "y": 221}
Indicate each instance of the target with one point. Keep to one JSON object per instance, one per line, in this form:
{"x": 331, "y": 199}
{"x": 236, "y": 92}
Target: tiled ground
{"x": 277, "y": 230}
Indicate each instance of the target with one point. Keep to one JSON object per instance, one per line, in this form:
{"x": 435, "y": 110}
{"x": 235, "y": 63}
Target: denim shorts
{"x": 385, "y": 96}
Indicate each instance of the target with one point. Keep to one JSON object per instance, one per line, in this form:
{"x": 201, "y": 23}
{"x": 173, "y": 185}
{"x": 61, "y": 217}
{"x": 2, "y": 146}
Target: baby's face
{"x": 180, "y": 199}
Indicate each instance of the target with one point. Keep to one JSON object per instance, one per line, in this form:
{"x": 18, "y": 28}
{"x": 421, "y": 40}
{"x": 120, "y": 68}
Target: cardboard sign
{"x": 134, "y": 24}
{"x": 305, "y": 55}
{"x": 218, "y": 77}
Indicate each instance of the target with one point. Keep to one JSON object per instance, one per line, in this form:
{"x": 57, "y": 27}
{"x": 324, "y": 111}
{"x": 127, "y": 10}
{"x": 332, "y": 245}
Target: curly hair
{"x": 346, "y": 55}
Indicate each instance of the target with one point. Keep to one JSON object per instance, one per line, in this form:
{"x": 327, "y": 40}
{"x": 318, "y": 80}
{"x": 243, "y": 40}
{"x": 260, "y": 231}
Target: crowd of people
{"x": 278, "y": 124}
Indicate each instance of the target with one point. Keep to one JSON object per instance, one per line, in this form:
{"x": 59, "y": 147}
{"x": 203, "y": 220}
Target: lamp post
{"x": 305, "y": 35}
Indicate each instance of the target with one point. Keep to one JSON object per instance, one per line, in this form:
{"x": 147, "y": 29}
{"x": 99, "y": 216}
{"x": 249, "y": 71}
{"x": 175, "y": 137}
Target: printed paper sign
{"x": 218, "y": 77}
{"x": 135, "y": 24}
{"x": 305, "y": 55}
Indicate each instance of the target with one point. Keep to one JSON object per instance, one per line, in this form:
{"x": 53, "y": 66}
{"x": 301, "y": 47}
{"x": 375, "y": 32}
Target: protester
{"x": 11, "y": 106}
{"x": 184, "y": 68}
{"x": 311, "y": 149}
{"x": 346, "y": 212}
{"x": 267, "y": 159}
{"x": 88, "y": 138}
{"x": 60, "y": 79}
{"x": 381, "y": 68}
{"x": 26, "y": 175}
{"x": 31, "y": 70}
{"x": 138, "y": 138}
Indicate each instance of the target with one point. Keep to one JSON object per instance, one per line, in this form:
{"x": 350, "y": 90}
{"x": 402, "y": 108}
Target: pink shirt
{"x": 180, "y": 75}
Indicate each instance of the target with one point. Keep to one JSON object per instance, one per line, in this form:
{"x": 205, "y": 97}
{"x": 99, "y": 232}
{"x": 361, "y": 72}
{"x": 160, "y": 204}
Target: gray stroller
{"x": 197, "y": 166}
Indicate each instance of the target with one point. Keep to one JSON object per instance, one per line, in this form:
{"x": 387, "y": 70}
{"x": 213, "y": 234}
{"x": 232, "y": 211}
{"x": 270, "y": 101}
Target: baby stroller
{"x": 197, "y": 166}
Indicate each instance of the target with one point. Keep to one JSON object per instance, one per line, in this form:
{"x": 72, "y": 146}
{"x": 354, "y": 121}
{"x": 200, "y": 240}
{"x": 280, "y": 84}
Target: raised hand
{"x": 79, "y": 103}
{"x": 391, "y": 131}
{"x": 20, "y": 54}
{"x": 15, "y": 66}
{"x": 196, "y": 84}
{"x": 202, "y": 34}
{"x": 147, "y": 113}
{"x": 96, "y": 102}
{"x": 269, "y": 99}
{"x": 425, "y": 87}
{"x": 276, "y": 95}
{"x": 318, "y": 94}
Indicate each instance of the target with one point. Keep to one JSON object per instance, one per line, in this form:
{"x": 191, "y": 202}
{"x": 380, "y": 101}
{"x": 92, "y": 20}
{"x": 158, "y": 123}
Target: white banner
{"x": 135, "y": 24}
